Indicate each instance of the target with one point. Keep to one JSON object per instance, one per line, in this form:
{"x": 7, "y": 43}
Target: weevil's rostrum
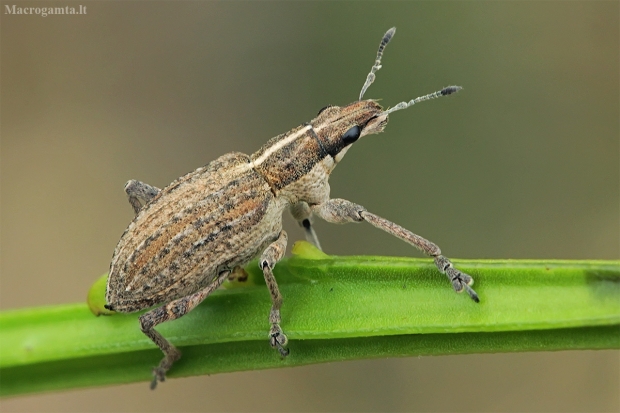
{"x": 187, "y": 238}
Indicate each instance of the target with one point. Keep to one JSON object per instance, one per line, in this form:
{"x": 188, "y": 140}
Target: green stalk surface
{"x": 335, "y": 308}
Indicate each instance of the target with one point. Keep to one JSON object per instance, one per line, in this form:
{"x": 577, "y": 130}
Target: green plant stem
{"x": 335, "y": 308}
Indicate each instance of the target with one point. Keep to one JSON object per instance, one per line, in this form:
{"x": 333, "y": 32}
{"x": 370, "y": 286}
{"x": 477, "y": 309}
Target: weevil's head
{"x": 337, "y": 128}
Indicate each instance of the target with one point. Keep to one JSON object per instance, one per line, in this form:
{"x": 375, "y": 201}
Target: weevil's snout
{"x": 368, "y": 115}
{"x": 375, "y": 124}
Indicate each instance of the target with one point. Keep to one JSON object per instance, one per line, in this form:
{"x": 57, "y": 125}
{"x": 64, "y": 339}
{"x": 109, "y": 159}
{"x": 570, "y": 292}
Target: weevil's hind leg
{"x": 341, "y": 211}
{"x": 303, "y": 215}
{"x": 140, "y": 194}
{"x": 171, "y": 311}
{"x": 268, "y": 260}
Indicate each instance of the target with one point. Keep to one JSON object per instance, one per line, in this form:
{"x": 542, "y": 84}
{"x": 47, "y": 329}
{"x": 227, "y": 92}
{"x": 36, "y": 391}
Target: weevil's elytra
{"x": 187, "y": 238}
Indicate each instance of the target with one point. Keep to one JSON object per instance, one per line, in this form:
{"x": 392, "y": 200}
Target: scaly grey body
{"x": 189, "y": 237}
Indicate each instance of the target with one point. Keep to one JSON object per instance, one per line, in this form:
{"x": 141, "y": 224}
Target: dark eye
{"x": 351, "y": 135}
{"x": 322, "y": 109}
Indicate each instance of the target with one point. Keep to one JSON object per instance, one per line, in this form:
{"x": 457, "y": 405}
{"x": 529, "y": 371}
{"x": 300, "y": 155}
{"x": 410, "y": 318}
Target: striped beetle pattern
{"x": 189, "y": 237}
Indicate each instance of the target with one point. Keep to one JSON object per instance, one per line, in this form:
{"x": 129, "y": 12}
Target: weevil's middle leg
{"x": 140, "y": 194}
{"x": 268, "y": 260}
{"x": 341, "y": 211}
{"x": 303, "y": 214}
{"x": 171, "y": 311}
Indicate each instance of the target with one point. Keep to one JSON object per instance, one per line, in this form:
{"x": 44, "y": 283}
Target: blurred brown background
{"x": 523, "y": 163}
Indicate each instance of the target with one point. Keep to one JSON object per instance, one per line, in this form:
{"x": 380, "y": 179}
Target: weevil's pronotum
{"x": 187, "y": 238}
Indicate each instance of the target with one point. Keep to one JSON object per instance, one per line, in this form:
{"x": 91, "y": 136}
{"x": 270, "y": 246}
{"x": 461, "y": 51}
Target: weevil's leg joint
{"x": 339, "y": 211}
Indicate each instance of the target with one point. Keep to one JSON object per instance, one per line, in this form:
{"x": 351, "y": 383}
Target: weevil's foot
{"x": 461, "y": 281}
{"x": 278, "y": 339}
{"x": 159, "y": 372}
{"x": 472, "y": 293}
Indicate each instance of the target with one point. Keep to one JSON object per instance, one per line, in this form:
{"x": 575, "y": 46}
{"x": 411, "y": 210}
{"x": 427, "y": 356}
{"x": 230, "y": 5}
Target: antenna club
{"x": 449, "y": 90}
{"x": 388, "y": 36}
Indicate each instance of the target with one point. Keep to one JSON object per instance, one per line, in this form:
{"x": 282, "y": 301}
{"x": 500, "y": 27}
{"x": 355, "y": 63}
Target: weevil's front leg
{"x": 139, "y": 194}
{"x": 341, "y": 211}
{"x": 268, "y": 260}
{"x": 171, "y": 311}
{"x": 302, "y": 213}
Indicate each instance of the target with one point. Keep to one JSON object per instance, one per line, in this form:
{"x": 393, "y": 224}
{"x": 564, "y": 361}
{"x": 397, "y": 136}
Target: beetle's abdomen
{"x": 214, "y": 218}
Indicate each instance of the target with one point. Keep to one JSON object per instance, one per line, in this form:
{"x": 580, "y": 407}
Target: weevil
{"x": 189, "y": 237}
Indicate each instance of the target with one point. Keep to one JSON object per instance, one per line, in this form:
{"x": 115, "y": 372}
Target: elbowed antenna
{"x": 371, "y": 76}
{"x": 443, "y": 92}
